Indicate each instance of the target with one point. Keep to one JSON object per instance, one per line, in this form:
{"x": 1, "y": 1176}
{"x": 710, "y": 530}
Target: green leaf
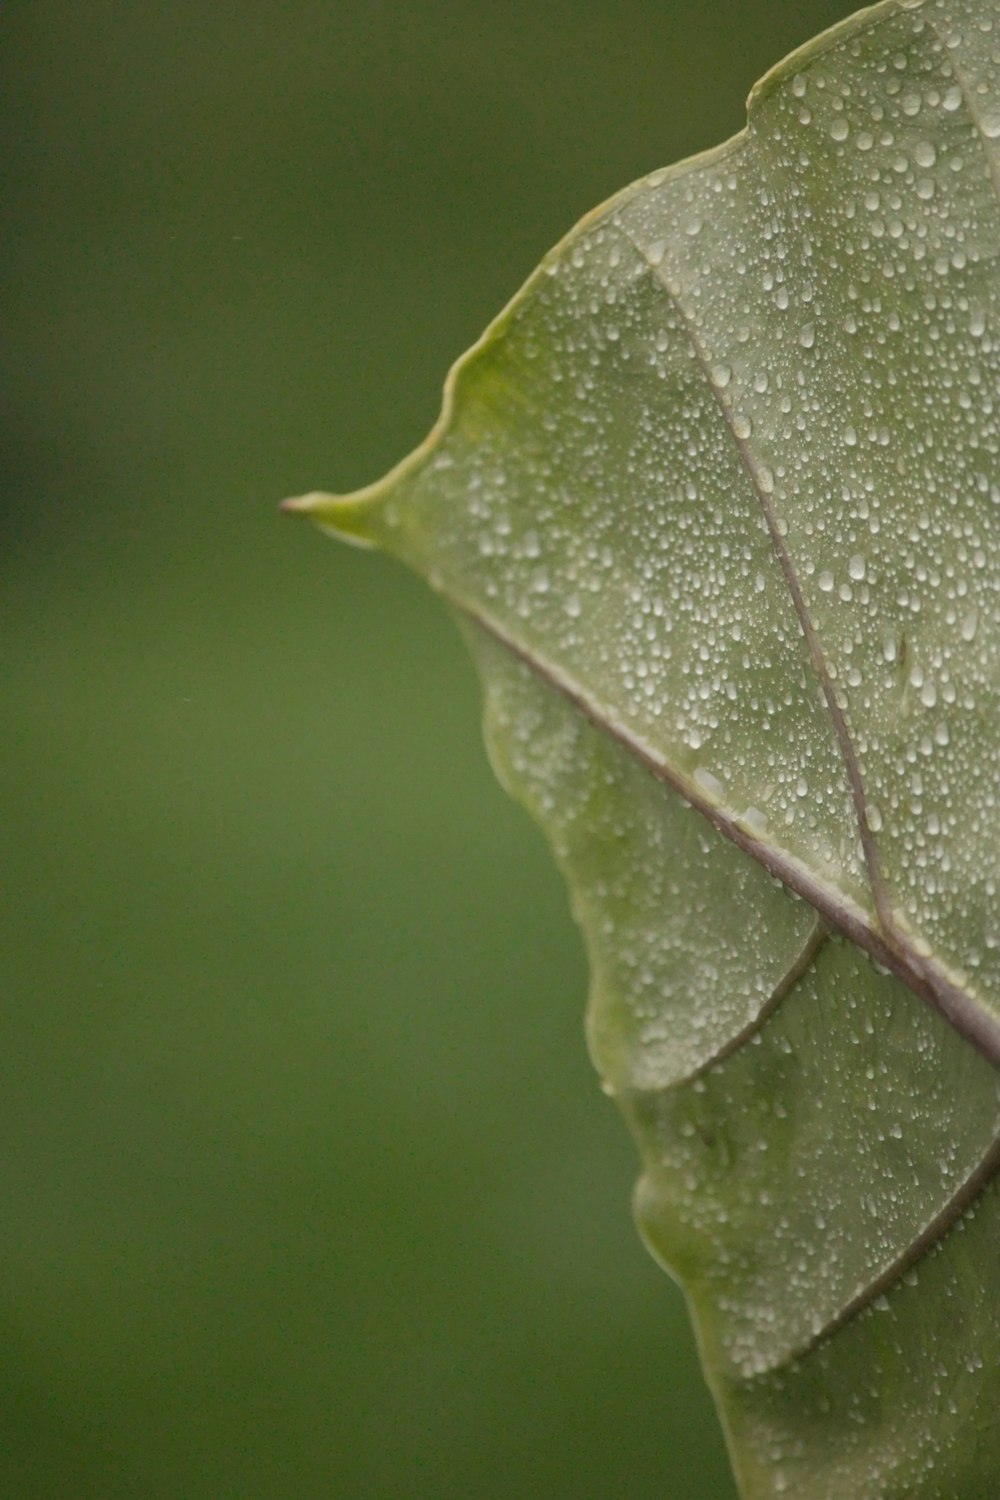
{"x": 717, "y": 501}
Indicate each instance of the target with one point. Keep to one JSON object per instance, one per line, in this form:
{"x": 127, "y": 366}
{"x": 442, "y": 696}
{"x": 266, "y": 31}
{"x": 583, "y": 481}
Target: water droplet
{"x": 754, "y": 819}
{"x": 709, "y": 783}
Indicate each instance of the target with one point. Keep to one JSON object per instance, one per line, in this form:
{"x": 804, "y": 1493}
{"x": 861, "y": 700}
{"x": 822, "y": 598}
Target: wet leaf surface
{"x": 717, "y": 501}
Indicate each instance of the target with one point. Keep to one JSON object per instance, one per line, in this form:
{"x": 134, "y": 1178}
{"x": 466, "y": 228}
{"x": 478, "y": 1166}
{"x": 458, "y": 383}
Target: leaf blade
{"x": 717, "y": 498}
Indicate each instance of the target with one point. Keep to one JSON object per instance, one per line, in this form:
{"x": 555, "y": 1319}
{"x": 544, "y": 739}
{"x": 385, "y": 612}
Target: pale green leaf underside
{"x": 718, "y": 500}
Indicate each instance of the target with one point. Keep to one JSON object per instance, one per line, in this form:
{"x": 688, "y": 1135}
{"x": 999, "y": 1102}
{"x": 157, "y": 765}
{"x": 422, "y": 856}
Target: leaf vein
{"x": 817, "y": 658}
{"x": 959, "y": 1204}
{"x": 800, "y": 965}
{"x": 992, "y": 163}
{"x": 925, "y": 978}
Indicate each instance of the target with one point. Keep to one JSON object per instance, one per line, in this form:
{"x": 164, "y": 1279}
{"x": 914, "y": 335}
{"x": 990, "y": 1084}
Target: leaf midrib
{"x": 885, "y": 941}
{"x": 921, "y": 976}
{"x": 927, "y": 979}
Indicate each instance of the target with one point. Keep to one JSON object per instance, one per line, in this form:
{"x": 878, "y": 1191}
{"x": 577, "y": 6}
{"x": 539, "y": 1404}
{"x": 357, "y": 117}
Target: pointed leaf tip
{"x": 699, "y": 495}
{"x": 347, "y": 517}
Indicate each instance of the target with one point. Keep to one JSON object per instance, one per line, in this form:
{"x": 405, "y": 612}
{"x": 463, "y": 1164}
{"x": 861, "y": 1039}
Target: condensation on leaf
{"x": 717, "y": 500}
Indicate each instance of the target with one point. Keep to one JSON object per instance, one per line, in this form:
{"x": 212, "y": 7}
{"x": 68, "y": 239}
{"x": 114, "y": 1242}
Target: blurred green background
{"x": 308, "y": 1188}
